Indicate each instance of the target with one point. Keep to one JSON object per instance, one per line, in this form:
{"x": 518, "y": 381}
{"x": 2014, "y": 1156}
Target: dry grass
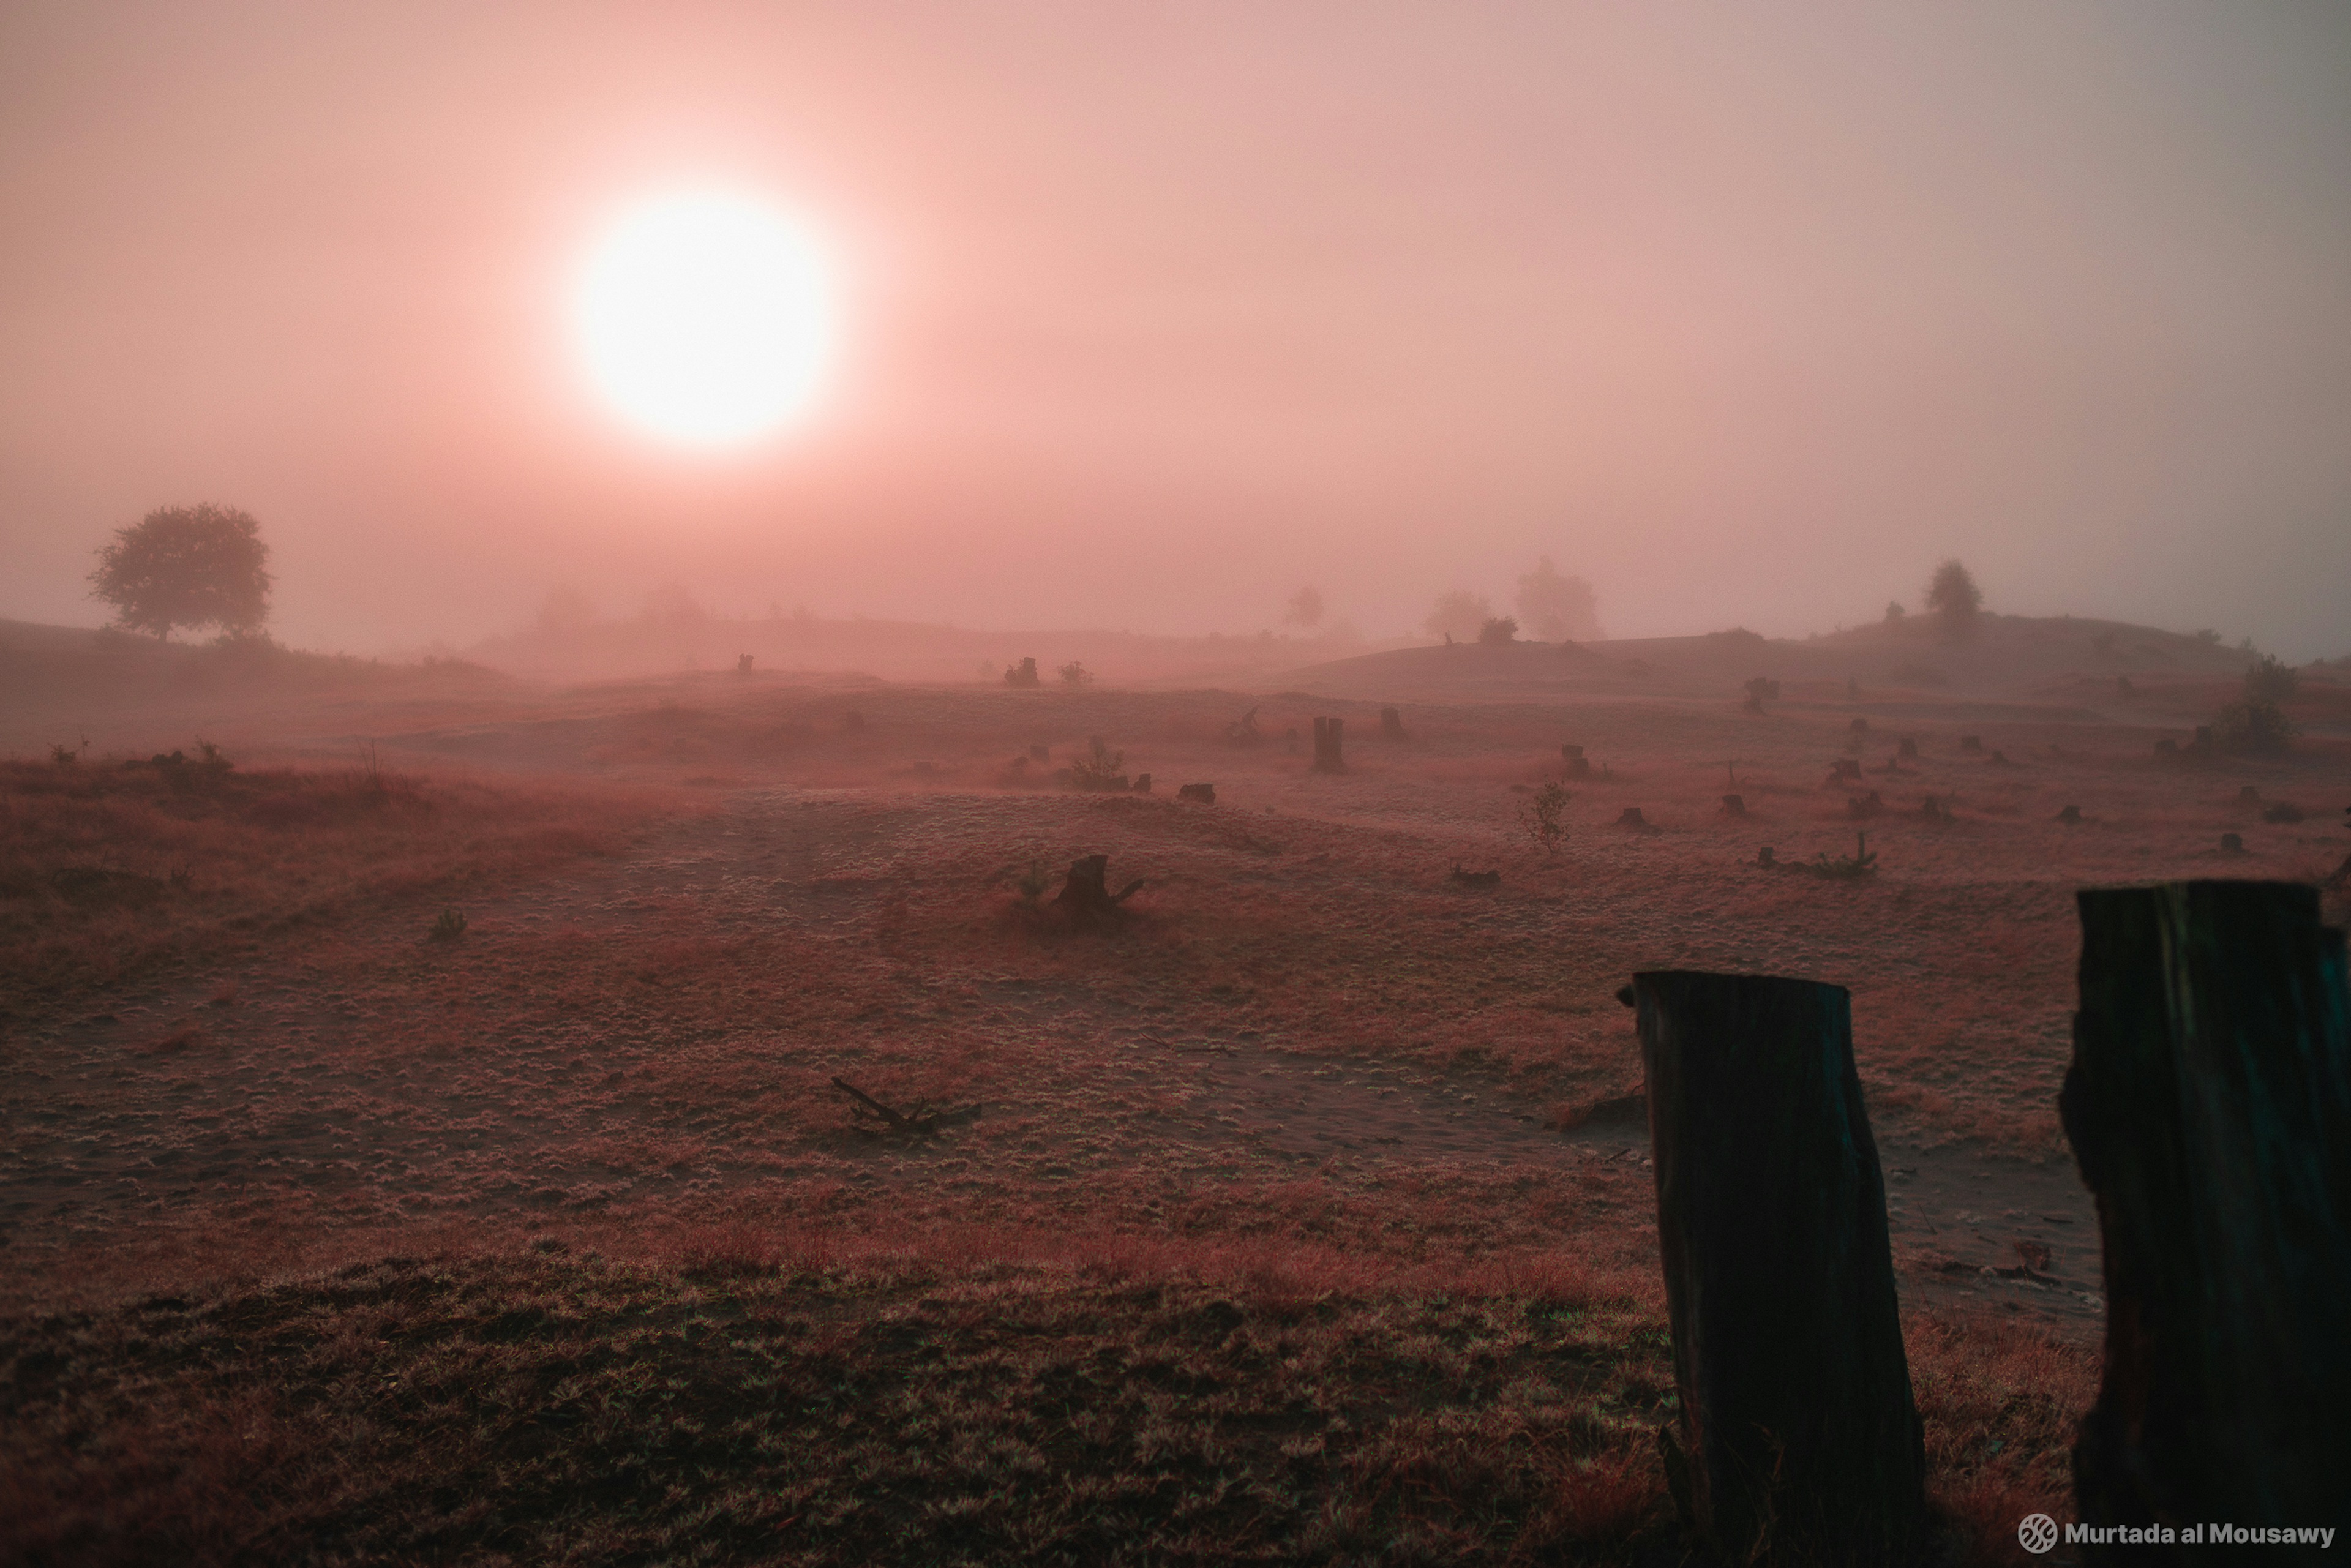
{"x": 755, "y": 1397}
{"x": 1303, "y": 1079}
{"x": 107, "y": 868}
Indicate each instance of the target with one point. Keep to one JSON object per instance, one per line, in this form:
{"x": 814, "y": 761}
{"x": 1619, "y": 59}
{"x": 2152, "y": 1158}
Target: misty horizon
{"x": 1144, "y": 323}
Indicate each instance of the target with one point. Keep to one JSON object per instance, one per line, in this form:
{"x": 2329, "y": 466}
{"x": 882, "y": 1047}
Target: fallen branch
{"x": 920, "y": 1121}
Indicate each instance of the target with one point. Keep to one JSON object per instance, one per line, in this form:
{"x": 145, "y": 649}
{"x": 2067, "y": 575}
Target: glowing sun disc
{"x": 704, "y": 316}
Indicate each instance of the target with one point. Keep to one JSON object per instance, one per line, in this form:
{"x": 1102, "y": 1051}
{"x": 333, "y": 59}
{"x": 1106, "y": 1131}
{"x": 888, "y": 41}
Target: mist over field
{"x": 1146, "y": 320}
{"x": 1082, "y": 783}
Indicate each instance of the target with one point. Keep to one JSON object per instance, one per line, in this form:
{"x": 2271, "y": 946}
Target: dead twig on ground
{"x": 869, "y": 1115}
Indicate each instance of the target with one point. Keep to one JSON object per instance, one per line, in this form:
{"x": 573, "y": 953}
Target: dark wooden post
{"x": 2210, "y": 1106}
{"x": 1798, "y": 1440}
{"x": 1391, "y": 725}
{"x": 1327, "y": 733}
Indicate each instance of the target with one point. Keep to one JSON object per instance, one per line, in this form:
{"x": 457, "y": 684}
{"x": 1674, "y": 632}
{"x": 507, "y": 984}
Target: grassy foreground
{"x": 732, "y": 1406}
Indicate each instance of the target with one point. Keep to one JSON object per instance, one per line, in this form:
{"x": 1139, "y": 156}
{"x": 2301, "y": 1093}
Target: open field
{"x": 1370, "y": 1121}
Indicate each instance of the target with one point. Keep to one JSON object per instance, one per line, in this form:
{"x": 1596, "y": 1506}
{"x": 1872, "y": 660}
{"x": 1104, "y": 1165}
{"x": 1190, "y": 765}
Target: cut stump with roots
{"x": 1086, "y": 897}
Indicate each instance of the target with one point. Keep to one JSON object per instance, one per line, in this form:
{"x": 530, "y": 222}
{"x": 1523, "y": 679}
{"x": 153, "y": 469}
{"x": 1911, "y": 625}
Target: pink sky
{"x": 1152, "y": 313}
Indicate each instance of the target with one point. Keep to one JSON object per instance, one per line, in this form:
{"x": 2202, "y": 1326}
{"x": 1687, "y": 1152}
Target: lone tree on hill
{"x": 1952, "y": 594}
{"x": 1561, "y": 609}
{"x": 186, "y": 566}
{"x": 1500, "y": 628}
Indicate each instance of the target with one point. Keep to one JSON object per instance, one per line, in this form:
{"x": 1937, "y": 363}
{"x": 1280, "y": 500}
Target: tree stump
{"x": 1143, "y": 783}
{"x": 1578, "y": 766}
{"x": 1798, "y": 1438}
{"x": 1327, "y": 735}
{"x": 2209, "y": 1104}
{"x": 1391, "y": 725}
{"x": 1204, "y": 793}
{"x": 742, "y": 663}
{"x": 1086, "y": 897}
{"x": 2232, "y": 843}
{"x": 2070, "y": 815}
{"x": 1734, "y": 805}
{"x": 1631, "y": 817}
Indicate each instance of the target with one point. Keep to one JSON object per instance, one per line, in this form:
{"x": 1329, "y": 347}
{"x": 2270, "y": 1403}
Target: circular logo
{"x": 2037, "y": 1533}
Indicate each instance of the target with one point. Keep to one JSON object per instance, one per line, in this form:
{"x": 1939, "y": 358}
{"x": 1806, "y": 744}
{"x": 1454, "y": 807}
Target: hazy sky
{"x": 1149, "y": 313}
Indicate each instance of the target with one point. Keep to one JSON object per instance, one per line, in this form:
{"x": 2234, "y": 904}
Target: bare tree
{"x": 186, "y": 566}
{"x": 1558, "y": 607}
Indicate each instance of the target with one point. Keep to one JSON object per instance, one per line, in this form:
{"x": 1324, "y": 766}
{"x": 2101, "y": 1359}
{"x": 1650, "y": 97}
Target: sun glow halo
{"x": 704, "y": 316}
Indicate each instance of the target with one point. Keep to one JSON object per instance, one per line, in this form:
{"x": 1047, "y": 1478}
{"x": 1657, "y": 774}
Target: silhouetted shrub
{"x": 2251, "y": 727}
{"x": 2272, "y": 681}
{"x": 1023, "y": 673}
{"x": 1544, "y": 817}
{"x": 1499, "y": 629}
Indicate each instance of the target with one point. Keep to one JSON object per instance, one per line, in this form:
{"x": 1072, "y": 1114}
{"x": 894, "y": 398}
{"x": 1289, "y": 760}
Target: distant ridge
{"x": 2007, "y": 656}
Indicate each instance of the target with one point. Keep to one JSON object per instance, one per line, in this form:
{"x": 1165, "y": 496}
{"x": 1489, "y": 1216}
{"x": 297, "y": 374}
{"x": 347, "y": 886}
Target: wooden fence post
{"x": 1798, "y": 1438}
{"x": 2208, "y": 1104}
{"x": 1327, "y": 733}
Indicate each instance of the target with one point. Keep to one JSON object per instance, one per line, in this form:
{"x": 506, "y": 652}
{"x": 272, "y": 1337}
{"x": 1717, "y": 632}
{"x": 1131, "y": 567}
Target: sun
{"x": 704, "y": 316}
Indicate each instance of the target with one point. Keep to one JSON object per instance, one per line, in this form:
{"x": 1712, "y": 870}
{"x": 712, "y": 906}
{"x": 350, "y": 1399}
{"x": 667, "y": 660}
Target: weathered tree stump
{"x": 1798, "y": 1440}
{"x": 1086, "y": 897}
{"x": 2070, "y": 815}
{"x": 1204, "y": 793}
{"x": 1734, "y": 805}
{"x": 2209, "y": 1104}
{"x": 1578, "y": 766}
{"x": 1631, "y": 817}
{"x": 1391, "y": 725}
{"x": 1143, "y": 783}
{"x": 1327, "y": 735}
